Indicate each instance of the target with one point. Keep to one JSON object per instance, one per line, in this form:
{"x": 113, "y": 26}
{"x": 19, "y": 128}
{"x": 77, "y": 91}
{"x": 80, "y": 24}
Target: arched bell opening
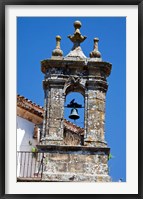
{"x": 74, "y": 108}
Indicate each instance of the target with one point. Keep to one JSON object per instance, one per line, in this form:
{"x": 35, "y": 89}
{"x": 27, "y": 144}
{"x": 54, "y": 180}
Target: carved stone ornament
{"x": 95, "y": 53}
{"x": 74, "y": 80}
{"x": 77, "y": 38}
{"x": 57, "y": 51}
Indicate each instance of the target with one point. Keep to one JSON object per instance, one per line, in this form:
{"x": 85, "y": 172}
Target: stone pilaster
{"x": 54, "y": 111}
{"x": 95, "y": 118}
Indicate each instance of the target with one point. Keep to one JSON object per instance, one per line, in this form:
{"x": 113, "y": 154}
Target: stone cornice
{"x": 97, "y": 84}
{"x": 89, "y": 63}
{"x": 54, "y": 83}
{"x": 79, "y": 149}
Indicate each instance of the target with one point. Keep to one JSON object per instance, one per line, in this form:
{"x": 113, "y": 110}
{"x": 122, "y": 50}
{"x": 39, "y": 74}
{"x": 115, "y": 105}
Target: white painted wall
{"x": 25, "y": 130}
{"x": 26, "y": 163}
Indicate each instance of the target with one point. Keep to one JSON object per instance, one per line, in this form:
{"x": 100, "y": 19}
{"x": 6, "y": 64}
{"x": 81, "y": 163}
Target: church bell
{"x": 74, "y": 114}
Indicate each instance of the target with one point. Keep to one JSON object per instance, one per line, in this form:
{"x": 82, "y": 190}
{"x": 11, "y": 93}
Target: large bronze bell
{"x": 74, "y": 114}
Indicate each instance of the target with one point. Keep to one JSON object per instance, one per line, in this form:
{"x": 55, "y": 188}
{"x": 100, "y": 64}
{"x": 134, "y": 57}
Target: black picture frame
{"x": 3, "y": 3}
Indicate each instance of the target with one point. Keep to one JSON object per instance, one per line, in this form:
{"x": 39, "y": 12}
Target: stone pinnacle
{"x": 57, "y": 51}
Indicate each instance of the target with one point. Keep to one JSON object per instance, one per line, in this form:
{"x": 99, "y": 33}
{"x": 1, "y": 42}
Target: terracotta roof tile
{"x": 70, "y": 126}
{"x": 29, "y": 105}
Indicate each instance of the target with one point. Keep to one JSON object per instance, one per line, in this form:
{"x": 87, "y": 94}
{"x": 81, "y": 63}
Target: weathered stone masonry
{"x": 81, "y": 157}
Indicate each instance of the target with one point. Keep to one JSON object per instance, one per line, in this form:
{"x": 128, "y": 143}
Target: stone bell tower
{"x": 87, "y": 160}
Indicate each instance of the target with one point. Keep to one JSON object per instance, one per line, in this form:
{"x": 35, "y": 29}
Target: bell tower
{"x": 86, "y": 159}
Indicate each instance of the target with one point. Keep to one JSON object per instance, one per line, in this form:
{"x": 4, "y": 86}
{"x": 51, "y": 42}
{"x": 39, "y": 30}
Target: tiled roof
{"x": 72, "y": 127}
{"x": 29, "y": 106}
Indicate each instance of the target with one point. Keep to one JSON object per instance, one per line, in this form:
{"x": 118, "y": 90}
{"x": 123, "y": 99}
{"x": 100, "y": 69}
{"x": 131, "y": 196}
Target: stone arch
{"x": 74, "y": 88}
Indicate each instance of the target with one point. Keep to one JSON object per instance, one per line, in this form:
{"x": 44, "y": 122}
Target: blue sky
{"x": 35, "y": 42}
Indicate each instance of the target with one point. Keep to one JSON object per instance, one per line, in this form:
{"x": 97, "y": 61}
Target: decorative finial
{"x": 76, "y": 51}
{"x": 77, "y": 38}
{"x": 57, "y": 51}
{"x": 95, "y": 53}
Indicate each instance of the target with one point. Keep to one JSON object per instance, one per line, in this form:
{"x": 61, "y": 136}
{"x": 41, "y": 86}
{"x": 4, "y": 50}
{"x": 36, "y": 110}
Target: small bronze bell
{"x": 74, "y": 114}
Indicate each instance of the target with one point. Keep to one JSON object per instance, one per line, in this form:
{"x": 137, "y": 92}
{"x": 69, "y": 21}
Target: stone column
{"x": 95, "y": 115}
{"x": 54, "y": 111}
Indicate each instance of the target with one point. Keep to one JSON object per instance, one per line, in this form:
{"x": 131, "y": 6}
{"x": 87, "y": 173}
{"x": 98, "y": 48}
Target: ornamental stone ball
{"x": 77, "y": 24}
